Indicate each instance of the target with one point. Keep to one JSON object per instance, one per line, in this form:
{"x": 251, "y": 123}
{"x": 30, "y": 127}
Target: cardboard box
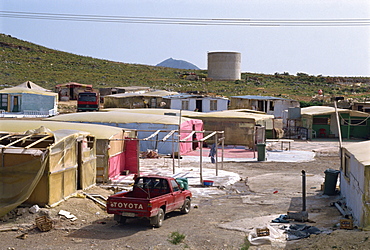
{"x": 346, "y": 224}
{"x": 263, "y": 232}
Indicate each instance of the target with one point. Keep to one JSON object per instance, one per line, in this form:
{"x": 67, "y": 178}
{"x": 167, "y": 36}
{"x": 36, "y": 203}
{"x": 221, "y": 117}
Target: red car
{"x": 152, "y": 197}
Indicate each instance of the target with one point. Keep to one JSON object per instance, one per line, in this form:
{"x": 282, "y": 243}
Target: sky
{"x": 335, "y": 50}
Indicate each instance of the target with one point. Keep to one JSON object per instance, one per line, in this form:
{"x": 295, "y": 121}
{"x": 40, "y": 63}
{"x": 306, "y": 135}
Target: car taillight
{"x": 149, "y": 204}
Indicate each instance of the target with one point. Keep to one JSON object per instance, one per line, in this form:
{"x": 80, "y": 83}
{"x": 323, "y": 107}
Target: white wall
{"x": 221, "y": 104}
{"x": 36, "y": 102}
{"x": 281, "y": 105}
{"x": 352, "y": 188}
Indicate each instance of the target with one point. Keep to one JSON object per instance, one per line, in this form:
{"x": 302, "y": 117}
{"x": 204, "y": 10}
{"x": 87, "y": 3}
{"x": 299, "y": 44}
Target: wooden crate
{"x": 44, "y": 223}
{"x": 346, "y": 224}
{"x": 263, "y": 232}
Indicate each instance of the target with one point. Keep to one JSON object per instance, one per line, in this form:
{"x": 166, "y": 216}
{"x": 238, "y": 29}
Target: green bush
{"x": 176, "y": 238}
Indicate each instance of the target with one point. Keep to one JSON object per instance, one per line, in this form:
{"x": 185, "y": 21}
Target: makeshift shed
{"x": 152, "y": 99}
{"x": 228, "y": 121}
{"x": 355, "y": 181}
{"x": 44, "y": 167}
{"x": 269, "y": 104}
{"x": 69, "y": 91}
{"x": 28, "y": 101}
{"x": 238, "y": 127}
{"x": 116, "y": 148}
{"x": 156, "y": 132}
{"x": 201, "y": 103}
{"x": 321, "y": 121}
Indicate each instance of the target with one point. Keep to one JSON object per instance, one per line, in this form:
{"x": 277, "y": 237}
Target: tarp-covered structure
{"x": 322, "y": 122}
{"x": 29, "y": 101}
{"x": 152, "y": 99}
{"x": 238, "y": 125}
{"x": 116, "y": 148}
{"x": 31, "y": 85}
{"x": 44, "y": 167}
{"x": 355, "y": 181}
{"x": 154, "y": 131}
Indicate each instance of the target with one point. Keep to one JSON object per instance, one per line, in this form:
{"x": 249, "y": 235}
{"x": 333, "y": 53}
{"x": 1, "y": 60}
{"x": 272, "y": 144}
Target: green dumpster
{"x": 330, "y": 183}
{"x": 183, "y": 182}
{"x": 261, "y": 150}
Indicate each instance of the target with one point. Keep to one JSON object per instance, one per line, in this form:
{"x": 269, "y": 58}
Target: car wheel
{"x": 120, "y": 219}
{"x": 185, "y": 209}
{"x": 157, "y": 220}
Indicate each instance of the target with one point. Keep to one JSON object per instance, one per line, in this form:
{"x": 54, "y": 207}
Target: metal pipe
{"x": 303, "y": 190}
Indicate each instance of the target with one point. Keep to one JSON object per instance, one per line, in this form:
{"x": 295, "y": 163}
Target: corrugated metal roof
{"x": 361, "y": 151}
{"x": 259, "y": 97}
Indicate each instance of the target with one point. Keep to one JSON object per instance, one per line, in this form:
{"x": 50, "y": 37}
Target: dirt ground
{"x": 220, "y": 220}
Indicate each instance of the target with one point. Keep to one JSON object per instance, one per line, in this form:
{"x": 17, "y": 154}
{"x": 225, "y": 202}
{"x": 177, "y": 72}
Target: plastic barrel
{"x": 330, "y": 184}
{"x": 261, "y": 150}
{"x": 183, "y": 182}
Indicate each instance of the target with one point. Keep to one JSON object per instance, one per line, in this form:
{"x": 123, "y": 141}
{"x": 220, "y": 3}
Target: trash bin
{"x": 330, "y": 183}
{"x": 261, "y": 150}
{"x": 183, "y": 182}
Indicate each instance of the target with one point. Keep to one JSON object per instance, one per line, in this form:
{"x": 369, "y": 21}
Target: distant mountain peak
{"x": 177, "y": 64}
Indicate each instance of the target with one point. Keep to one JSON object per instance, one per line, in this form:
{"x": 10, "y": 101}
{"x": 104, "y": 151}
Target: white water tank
{"x": 224, "y": 65}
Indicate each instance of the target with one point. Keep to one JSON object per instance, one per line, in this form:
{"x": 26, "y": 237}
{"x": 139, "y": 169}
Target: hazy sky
{"x": 326, "y": 50}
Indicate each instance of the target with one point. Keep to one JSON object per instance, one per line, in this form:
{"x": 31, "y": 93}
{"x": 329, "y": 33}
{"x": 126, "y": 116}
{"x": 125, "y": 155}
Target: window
{"x": 321, "y": 121}
{"x": 271, "y": 106}
{"x": 346, "y": 166}
{"x": 175, "y": 186}
{"x": 213, "y": 105}
{"x": 185, "y": 105}
{"x": 4, "y": 102}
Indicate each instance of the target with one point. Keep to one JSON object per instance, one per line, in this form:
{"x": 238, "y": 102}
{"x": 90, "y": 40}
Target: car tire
{"x": 120, "y": 219}
{"x": 185, "y": 209}
{"x": 157, "y": 220}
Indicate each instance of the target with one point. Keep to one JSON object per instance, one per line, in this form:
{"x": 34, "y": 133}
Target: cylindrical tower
{"x": 224, "y": 65}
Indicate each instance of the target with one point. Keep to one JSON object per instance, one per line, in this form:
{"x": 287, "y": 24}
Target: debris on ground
{"x": 68, "y": 215}
{"x": 300, "y": 231}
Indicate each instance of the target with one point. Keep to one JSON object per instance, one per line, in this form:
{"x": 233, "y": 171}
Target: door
{"x": 16, "y": 104}
{"x": 198, "y": 105}
{"x": 176, "y": 198}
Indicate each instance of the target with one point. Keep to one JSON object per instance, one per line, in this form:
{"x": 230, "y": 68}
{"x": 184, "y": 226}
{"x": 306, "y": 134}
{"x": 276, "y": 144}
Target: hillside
{"x": 22, "y": 61}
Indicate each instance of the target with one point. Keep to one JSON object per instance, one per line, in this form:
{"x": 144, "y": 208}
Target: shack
{"x": 152, "y": 99}
{"x": 269, "y": 104}
{"x": 28, "y": 101}
{"x": 69, "y": 91}
{"x": 321, "y": 121}
{"x": 116, "y": 148}
{"x": 155, "y": 132}
{"x": 238, "y": 125}
{"x": 44, "y": 167}
{"x": 355, "y": 181}
{"x": 192, "y": 102}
